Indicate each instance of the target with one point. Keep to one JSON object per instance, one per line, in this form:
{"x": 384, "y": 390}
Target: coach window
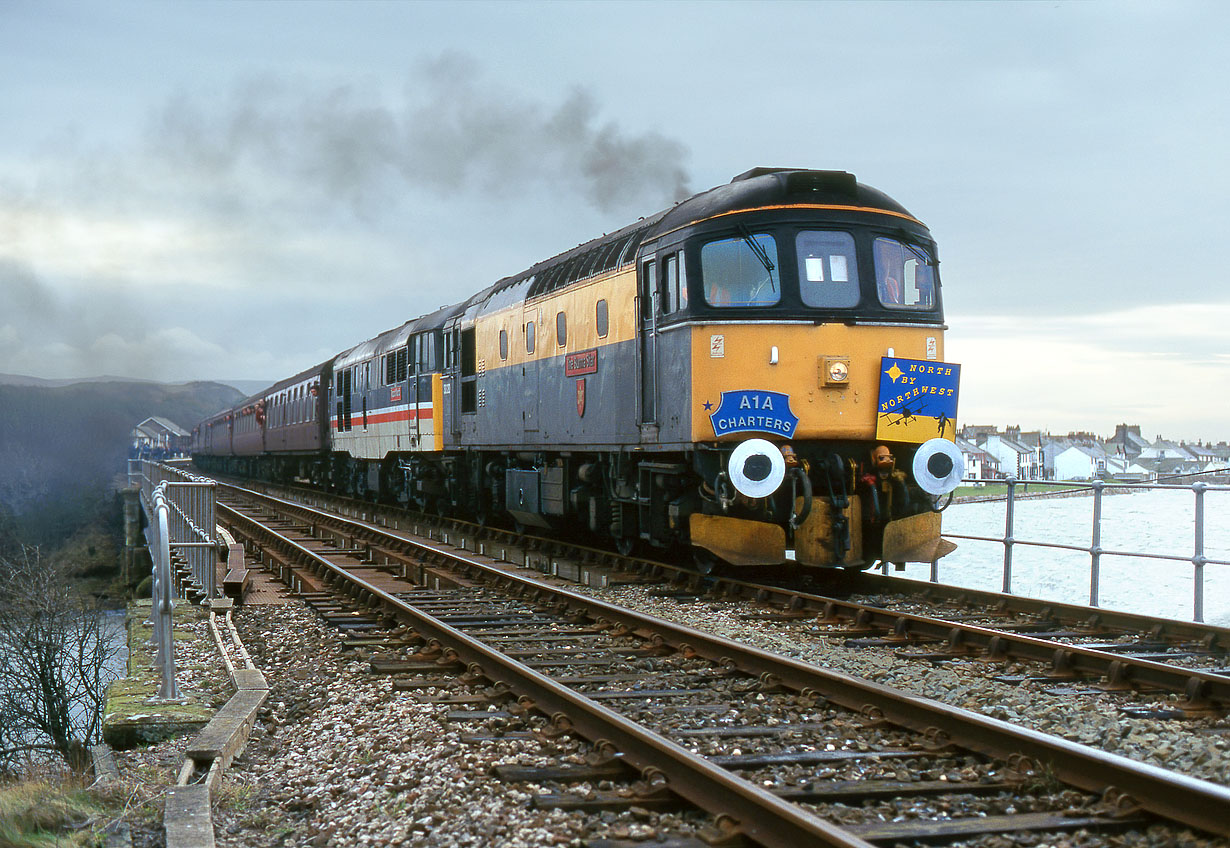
{"x": 529, "y": 336}
{"x": 602, "y": 318}
{"x": 741, "y": 271}
{"x": 561, "y": 329}
{"x": 828, "y": 272}
{"x": 905, "y": 275}
{"x": 503, "y": 344}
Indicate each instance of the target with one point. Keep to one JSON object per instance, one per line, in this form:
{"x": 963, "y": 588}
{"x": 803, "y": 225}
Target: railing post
{"x": 1198, "y": 557}
{"x": 161, "y": 598}
{"x": 1095, "y": 544}
{"x": 1008, "y": 540}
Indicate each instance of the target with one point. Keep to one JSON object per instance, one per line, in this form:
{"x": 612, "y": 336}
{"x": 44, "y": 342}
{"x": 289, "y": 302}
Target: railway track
{"x": 683, "y": 710}
{"x": 1070, "y": 644}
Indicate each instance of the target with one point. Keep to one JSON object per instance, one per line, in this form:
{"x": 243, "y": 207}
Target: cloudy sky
{"x": 239, "y": 190}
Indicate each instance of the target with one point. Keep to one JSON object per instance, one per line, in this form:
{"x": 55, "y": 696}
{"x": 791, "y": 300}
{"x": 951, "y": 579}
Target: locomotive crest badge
{"x": 918, "y": 400}
{"x": 581, "y": 398}
{"x": 753, "y": 411}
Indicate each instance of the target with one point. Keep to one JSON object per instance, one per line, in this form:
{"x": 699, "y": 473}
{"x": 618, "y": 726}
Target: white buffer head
{"x": 938, "y": 466}
{"x": 757, "y": 468}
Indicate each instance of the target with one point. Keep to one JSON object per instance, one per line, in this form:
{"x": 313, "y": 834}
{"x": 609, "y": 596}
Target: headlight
{"x": 835, "y": 370}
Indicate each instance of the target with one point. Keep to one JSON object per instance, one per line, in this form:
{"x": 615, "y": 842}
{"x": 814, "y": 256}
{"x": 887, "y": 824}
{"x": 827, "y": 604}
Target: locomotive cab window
{"x": 430, "y": 348}
{"x": 828, "y": 271}
{"x": 674, "y": 285}
{"x": 741, "y": 271}
{"x": 529, "y": 336}
{"x": 561, "y": 329}
{"x": 905, "y": 275}
{"x": 503, "y": 344}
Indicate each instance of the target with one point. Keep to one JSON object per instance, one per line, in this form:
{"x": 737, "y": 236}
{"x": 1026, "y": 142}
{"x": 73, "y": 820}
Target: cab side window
{"x": 649, "y": 288}
{"x": 674, "y": 285}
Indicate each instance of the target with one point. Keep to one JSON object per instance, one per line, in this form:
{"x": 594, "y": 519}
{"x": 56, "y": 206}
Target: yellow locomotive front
{"x": 820, "y": 410}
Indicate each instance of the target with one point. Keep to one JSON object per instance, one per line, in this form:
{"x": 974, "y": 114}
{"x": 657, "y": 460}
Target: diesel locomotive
{"x": 757, "y": 370}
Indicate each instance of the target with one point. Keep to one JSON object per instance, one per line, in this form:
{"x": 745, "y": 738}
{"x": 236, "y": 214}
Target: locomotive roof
{"x": 774, "y": 187}
{"x": 398, "y": 336}
{"x": 758, "y": 188}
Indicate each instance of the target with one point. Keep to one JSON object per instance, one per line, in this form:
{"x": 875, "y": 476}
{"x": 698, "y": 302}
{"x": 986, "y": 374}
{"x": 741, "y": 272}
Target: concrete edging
{"x": 187, "y": 820}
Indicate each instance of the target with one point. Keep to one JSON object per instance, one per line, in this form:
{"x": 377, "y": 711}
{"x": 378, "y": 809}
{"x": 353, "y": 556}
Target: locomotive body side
{"x": 532, "y": 391}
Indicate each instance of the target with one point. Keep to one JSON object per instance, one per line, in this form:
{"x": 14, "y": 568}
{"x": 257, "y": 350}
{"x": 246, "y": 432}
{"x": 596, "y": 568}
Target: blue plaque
{"x": 753, "y": 411}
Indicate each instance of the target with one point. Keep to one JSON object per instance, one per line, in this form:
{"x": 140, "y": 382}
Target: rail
{"x": 1094, "y": 549}
{"x": 180, "y": 509}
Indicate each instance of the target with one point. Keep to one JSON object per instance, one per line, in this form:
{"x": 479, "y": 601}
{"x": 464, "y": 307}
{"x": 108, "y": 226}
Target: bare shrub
{"x": 54, "y": 648}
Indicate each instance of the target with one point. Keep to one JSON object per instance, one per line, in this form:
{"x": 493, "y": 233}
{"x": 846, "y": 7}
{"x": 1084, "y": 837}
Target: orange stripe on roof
{"x": 825, "y": 206}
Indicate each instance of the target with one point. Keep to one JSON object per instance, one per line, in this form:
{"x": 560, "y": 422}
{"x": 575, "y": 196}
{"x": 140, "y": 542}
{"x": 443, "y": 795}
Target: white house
{"x": 979, "y": 465}
{"x": 1016, "y": 459}
{"x": 1079, "y": 462}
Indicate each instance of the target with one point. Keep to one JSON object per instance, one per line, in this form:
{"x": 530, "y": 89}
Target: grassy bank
{"x": 42, "y": 813}
{"x": 999, "y": 490}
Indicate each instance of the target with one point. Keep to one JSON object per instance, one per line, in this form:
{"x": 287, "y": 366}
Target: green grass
{"x": 40, "y": 814}
{"x": 999, "y": 490}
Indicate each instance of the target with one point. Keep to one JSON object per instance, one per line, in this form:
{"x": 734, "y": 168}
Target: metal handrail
{"x": 162, "y": 603}
{"x": 191, "y": 500}
{"x": 1094, "y": 548}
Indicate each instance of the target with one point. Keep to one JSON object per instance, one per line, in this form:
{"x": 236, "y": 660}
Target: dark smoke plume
{"x": 451, "y": 132}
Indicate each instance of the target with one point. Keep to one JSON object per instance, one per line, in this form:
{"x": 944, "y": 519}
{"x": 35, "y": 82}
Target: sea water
{"x": 1160, "y": 521}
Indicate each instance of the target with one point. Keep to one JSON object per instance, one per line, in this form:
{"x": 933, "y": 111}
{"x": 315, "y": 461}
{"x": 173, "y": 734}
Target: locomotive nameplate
{"x": 580, "y": 363}
{"x": 918, "y": 400}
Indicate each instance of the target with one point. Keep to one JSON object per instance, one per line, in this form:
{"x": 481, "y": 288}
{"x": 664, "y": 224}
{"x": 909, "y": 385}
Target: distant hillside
{"x": 60, "y": 442}
{"x": 23, "y": 380}
{"x": 248, "y": 387}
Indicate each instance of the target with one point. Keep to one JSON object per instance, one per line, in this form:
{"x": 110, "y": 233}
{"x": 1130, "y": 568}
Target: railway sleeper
{"x": 658, "y": 799}
{"x": 936, "y": 832}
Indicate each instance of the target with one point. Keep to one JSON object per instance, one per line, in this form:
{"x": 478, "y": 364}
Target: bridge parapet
{"x": 179, "y": 508}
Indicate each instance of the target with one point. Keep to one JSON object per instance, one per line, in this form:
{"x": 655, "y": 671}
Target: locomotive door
{"x": 529, "y": 372}
{"x": 418, "y": 388}
{"x": 343, "y": 404}
{"x": 647, "y": 342}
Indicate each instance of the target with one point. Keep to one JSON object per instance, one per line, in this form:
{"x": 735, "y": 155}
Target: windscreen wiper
{"x": 761, "y": 254}
{"x": 920, "y": 251}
